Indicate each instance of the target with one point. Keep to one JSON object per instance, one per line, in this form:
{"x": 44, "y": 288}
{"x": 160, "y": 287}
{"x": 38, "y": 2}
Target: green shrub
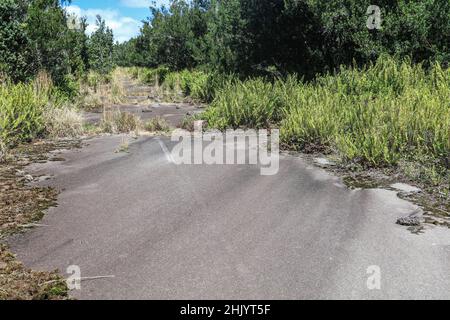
{"x": 376, "y": 115}
{"x": 216, "y": 81}
{"x": 252, "y": 104}
{"x": 95, "y": 79}
{"x": 188, "y": 123}
{"x": 151, "y": 76}
{"x": 189, "y": 83}
{"x": 30, "y": 110}
{"x": 3, "y": 151}
{"x": 21, "y": 110}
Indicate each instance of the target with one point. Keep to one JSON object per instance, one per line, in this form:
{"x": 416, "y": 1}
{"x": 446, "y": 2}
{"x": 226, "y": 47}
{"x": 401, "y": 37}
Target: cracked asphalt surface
{"x": 226, "y": 232}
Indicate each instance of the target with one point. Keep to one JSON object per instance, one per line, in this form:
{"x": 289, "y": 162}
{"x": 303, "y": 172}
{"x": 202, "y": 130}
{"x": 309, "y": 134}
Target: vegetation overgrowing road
{"x": 139, "y": 109}
{"x": 117, "y": 106}
{"x": 371, "y": 104}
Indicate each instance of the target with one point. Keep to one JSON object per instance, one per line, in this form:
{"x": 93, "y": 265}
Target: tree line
{"x": 277, "y": 37}
{"x": 246, "y": 37}
{"x": 39, "y": 35}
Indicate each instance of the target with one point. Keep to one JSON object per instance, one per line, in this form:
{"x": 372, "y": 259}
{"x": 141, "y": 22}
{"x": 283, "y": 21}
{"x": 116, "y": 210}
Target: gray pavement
{"x": 173, "y": 113}
{"x": 226, "y": 232}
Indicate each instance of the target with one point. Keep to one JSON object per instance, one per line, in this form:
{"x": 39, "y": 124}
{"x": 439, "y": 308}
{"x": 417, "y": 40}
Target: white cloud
{"x": 123, "y": 28}
{"x": 143, "y": 3}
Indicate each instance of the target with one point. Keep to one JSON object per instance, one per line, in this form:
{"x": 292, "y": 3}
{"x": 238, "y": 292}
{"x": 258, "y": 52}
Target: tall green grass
{"x": 151, "y": 76}
{"x": 22, "y": 108}
{"x": 189, "y": 83}
{"x": 199, "y": 85}
{"x": 376, "y": 115}
{"x": 21, "y": 112}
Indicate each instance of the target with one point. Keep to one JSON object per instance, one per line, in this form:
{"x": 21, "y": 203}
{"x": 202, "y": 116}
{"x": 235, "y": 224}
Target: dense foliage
{"x": 45, "y": 55}
{"x": 277, "y": 37}
{"x": 39, "y": 35}
{"x": 101, "y": 48}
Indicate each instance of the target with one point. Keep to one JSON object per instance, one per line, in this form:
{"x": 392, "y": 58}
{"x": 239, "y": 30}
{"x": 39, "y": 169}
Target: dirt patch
{"x": 21, "y": 207}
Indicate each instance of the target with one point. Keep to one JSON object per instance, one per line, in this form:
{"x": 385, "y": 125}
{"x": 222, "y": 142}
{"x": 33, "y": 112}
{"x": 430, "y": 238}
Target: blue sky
{"x": 122, "y": 16}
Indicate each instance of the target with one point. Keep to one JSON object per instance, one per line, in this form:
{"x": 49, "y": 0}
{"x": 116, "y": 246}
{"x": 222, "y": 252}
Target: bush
{"x": 95, "y": 79}
{"x": 189, "y": 83}
{"x": 21, "y": 112}
{"x": 252, "y": 104}
{"x": 31, "y": 110}
{"x": 188, "y": 123}
{"x": 63, "y": 122}
{"x": 151, "y": 76}
{"x": 216, "y": 81}
{"x": 376, "y": 115}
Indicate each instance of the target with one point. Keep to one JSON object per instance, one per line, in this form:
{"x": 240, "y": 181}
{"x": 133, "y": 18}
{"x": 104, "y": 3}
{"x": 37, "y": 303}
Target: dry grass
{"x": 157, "y": 124}
{"x": 99, "y": 91}
{"x": 124, "y": 146}
{"x": 114, "y": 121}
{"x": 3, "y": 151}
{"x": 188, "y": 123}
{"x": 19, "y": 283}
{"x": 21, "y": 207}
{"x": 63, "y": 122}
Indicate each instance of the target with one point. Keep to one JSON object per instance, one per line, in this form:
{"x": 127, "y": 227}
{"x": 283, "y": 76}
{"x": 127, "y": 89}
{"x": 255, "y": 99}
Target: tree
{"x": 15, "y": 55}
{"x": 101, "y": 47}
{"x": 175, "y": 36}
{"x": 46, "y": 26}
{"x": 78, "y": 50}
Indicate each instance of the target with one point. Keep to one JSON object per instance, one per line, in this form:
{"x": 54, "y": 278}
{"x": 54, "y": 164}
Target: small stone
{"x": 29, "y": 177}
{"x": 44, "y": 178}
{"x": 409, "y": 221}
{"x": 405, "y": 188}
{"x": 324, "y": 162}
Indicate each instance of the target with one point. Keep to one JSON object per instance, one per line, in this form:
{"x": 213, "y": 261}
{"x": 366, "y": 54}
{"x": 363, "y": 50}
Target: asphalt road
{"x": 173, "y": 113}
{"x": 226, "y": 232}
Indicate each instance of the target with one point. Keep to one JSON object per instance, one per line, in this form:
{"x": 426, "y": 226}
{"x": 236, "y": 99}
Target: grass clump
{"x": 115, "y": 121}
{"x": 99, "y": 90}
{"x": 188, "y": 123}
{"x": 157, "y": 124}
{"x": 23, "y": 107}
{"x": 63, "y": 122}
{"x": 188, "y": 83}
{"x": 149, "y": 76}
{"x": 21, "y": 113}
{"x": 33, "y": 110}
{"x": 198, "y": 85}
{"x": 251, "y": 104}
{"x": 3, "y": 151}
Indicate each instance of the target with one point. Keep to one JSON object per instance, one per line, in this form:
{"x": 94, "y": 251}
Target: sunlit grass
{"x": 377, "y": 115}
